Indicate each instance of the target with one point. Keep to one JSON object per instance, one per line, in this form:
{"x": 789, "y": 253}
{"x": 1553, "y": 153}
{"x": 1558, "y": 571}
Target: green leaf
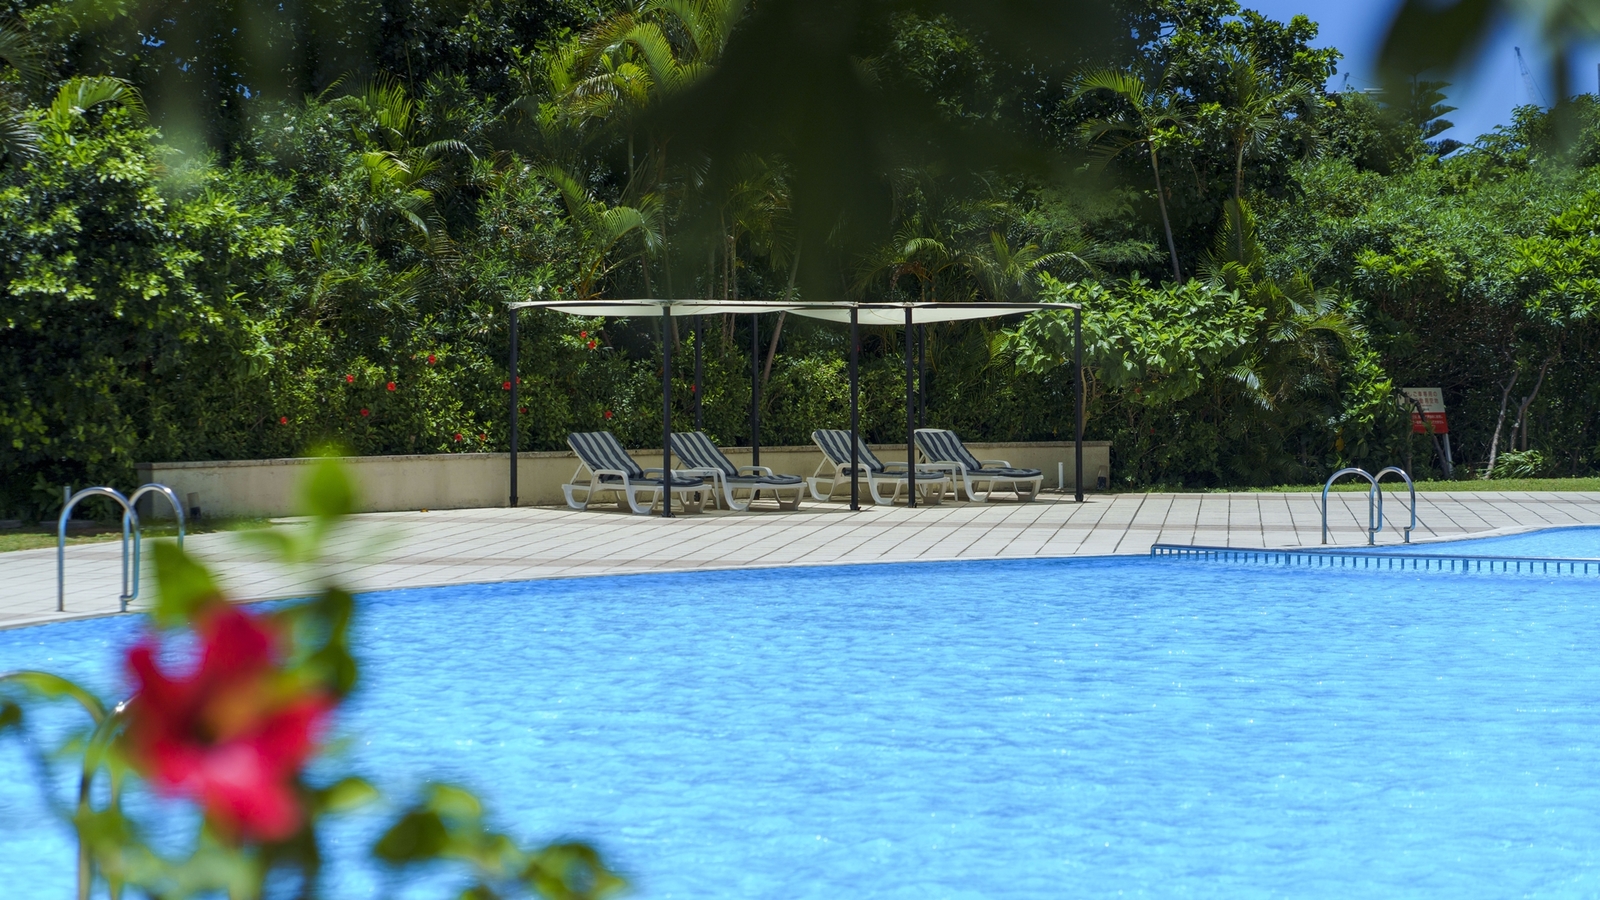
{"x": 10, "y": 715}
{"x": 183, "y": 585}
{"x": 328, "y": 493}
{"x": 351, "y": 793}
{"x": 454, "y": 803}
{"x": 53, "y": 687}
{"x": 419, "y": 835}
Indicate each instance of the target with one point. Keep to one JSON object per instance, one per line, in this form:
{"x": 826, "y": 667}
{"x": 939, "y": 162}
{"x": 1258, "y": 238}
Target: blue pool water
{"x": 1567, "y": 543}
{"x": 1089, "y": 728}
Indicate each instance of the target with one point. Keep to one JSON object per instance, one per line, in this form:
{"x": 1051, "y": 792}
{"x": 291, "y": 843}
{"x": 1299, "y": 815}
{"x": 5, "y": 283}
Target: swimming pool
{"x": 1084, "y": 728}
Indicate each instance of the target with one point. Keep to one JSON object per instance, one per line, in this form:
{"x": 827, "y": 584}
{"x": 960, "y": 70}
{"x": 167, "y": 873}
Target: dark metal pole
{"x": 755, "y": 389}
{"x": 922, "y": 376}
{"x": 855, "y": 406}
{"x": 666, "y": 411}
{"x": 699, "y": 375}
{"x": 1077, "y": 395}
{"x": 515, "y": 315}
{"x": 911, "y": 417}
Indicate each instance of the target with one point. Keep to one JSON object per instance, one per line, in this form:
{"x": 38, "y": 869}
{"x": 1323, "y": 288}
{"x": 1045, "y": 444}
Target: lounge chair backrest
{"x": 601, "y": 450}
{"x": 944, "y": 446}
{"x": 697, "y": 449}
{"x": 836, "y": 444}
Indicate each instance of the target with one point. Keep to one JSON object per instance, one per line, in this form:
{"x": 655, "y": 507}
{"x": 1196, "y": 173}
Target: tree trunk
{"x": 788, "y": 294}
{"x": 1522, "y": 410}
{"x": 1494, "y": 442}
{"x": 1238, "y": 201}
{"x": 1166, "y": 223}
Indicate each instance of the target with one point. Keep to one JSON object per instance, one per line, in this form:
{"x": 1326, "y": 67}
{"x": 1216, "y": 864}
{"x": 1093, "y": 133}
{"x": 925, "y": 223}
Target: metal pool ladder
{"x": 1374, "y": 501}
{"x": 132, "y": 537}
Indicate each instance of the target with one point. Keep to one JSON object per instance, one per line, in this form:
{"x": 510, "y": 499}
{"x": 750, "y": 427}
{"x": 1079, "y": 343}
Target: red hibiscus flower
{"x": 608, "y": 413}
{"x": 458, "y": 436}
{"x": 483, "y": 437}
{"x": 583, "y": 334}
{"x": 391, "y": 385}
{"x": 226, "y": 735}
{"x": 349, "y": 379}
{"x": 593, "y": 344}
{"x": 506, "y": 386}
{"x": 365, "y": 412}
{"x": 432, "y": 359}
{"x": 283, "y": 420}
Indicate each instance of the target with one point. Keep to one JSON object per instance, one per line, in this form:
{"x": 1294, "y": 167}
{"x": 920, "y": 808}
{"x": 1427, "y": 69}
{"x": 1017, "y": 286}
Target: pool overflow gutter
{"x": 916, "y": 316}
{"x": 132, "y": 537}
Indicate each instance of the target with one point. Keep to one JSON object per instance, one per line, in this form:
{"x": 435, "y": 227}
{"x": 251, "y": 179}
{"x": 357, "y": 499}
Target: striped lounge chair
{"x": 836, "y": 473}
{"x": 943, "y": 448}
{"x": 697, "y": 451}
{"x": 605, "y": 468}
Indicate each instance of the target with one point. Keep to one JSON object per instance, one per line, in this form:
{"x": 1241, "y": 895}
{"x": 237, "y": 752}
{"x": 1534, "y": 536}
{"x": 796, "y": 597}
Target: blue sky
{"x": 1484, "y": 93}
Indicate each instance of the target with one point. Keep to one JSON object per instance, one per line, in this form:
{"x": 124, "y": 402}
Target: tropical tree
{"x": 19, "y": 137}
{"x": 1149, "y": 119}
{"x": 1259, "y": 110}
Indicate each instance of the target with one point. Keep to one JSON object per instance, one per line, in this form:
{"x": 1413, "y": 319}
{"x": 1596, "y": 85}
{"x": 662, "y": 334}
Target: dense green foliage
{"x": 312, "y": 233}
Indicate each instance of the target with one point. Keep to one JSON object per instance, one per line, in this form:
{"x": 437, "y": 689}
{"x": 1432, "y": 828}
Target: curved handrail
{"x": 1374, "y": 519}
{"x": 1402, "y": 473}
{"x": 138, "y": 535}
{"x": 129, "y": 517}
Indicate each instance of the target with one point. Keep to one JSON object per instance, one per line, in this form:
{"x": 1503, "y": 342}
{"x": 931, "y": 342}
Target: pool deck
{"x": 484, "y": 545}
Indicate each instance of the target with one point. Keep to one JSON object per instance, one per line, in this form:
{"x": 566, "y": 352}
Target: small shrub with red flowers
{"x": 232, "y": 733}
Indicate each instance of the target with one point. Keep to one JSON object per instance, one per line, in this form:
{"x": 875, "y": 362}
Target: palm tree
{"x": 406, "y": 175}
{"x": 604, "y": 227}
{"x": 18, "y": 135}
{"x": 1150, "y": 119}
{"x": 80, "y": 95}
{"x": 1257, "y": 113}
{"x": 1007, "y": 273}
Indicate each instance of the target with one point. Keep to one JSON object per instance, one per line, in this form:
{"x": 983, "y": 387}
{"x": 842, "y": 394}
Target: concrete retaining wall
{"x": 266, "y": 487}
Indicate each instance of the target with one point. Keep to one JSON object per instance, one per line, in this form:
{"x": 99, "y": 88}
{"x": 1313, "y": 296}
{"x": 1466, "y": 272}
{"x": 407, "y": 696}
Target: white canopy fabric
{"x": 835, "y": 311}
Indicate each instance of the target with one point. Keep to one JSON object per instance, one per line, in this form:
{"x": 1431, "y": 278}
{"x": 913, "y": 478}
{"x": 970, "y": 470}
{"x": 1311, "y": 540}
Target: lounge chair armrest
{"x": 995, "y": 463}
{"x": 617, "y": 472}
{"x": 940, "y": 467}
{"x": 755, "y": 470}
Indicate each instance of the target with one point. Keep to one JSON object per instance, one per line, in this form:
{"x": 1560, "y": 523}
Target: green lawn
{"x": 1393, "y": 484}
{"x": 34, "y": 538}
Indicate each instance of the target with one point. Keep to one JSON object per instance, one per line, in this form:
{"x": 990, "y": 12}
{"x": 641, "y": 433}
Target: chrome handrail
{"x": 1402, "y": 473}
{"x": 138, "y": 535}
{"x": 1374, "y": 514}
{"x": 129, "y": 517}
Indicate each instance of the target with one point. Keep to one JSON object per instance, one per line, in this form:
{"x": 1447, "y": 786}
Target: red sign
{"x": 1432, "y": 416}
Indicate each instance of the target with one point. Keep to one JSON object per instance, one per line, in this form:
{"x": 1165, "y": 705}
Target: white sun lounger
{"x": 836, "y": 473}
{"x": 605, "y": 468}
{"x": 697, "y": 451}
{"x": 944, "y": 448}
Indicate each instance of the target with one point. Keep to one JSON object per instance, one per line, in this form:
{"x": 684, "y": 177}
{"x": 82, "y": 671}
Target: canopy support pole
{"x": 755, "y": 389}
{"x": 1077, "y": 397}
{"x": 666, "y": 412}
{"x": 922, "y": 376}
{"x": 699, "y": 375}
{"x": 855, "y": 408}
{"x": 911, "y": 417}
{"x": 515, "y": 315}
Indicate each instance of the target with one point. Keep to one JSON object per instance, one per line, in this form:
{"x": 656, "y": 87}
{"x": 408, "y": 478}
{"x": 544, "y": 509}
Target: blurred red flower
{"x": 608, "y": 413}
{"x": 349, "y": 379}
{"x": 391, "y": 385}
{"x": 283, "y": 420}
{"x": 483, "y": 437}
{"x": 583, "y": 334}
{"x": 458, "y": 435}
{"x": 231, "y": 735}
{"x": 593, "y": 344}
{"x": 432, "y": 359}
{"x": 365, "y": 411}
{"x": 506, "y": 386}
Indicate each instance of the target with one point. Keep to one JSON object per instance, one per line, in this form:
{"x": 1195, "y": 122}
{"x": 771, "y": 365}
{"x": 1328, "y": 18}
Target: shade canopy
{"x": 907, "y": 315}
{"x": 890, "y": 314}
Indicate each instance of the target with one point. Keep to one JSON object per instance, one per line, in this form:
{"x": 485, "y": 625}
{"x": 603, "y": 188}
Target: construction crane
{"x": 1535, "y": 96}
